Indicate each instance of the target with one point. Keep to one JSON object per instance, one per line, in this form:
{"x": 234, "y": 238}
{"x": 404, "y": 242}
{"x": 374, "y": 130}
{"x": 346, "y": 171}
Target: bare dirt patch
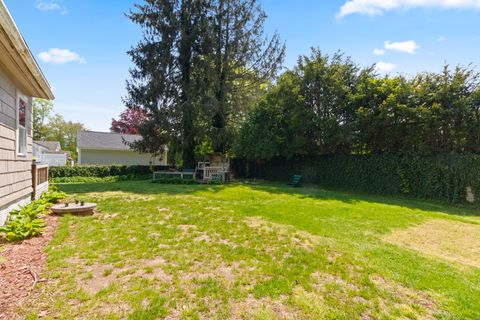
{"x": 99, "y": 276}
{"x": 321, "y": 279}
{"x": 450, "y": 240}
{"x": 300, "y": 239}
{"x": 120, "y": 194}
{"x": 186, "y": 227}
{"x": 264, "y": 308}
{"x": 21, "y": 268}
{"x": 406, "y": 298}
{"x": 106, "y": 216}
{"x": 389, "y": 298}
{"x": 203, "y": 238}
{"x": 227, "y": 273}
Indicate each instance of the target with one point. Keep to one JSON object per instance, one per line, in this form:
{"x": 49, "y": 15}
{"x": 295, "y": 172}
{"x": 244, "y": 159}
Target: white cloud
{"x": 51, "y": 5}
{"x": 378, "y": 7}
{"x": 378, "y": 52}
{"x": 384, "y": 67}
{"x": 442, "y": 39}
{"x": 409, "y": 47}
{"x": 60, "y": 56}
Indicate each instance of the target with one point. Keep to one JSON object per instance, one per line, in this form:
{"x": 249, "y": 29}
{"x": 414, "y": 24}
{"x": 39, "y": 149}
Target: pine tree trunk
{"x": 188, "y": 145}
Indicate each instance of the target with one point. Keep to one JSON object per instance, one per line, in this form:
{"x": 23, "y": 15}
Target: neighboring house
{"x": 105, "y": 148}
{"x": 52, "y": 146}
{"x": 50, "y": 152}
{"x": 20, "y": 80}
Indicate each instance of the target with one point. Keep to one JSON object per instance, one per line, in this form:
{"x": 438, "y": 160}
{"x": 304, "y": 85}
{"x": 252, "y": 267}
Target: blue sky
{"x": 81, "y": 44}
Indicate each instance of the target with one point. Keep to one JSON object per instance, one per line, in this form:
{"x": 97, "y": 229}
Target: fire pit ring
{"x": 81, "y": 209}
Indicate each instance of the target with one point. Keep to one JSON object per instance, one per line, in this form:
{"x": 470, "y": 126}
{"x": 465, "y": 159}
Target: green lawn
{"x": 258, "y": 252}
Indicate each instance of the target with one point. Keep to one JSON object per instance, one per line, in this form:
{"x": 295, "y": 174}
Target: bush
{"x": 25, "y": 223}
{"x": 175, "y": 181}
{"x": 103, "y": 171}
{"x": 20, "y": 227}
{"x": 442, "y": 177}
{"x": 78, "y": 179}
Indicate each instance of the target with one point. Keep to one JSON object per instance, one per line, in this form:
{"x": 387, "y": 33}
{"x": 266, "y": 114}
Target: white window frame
{"x": 23, "y": 97}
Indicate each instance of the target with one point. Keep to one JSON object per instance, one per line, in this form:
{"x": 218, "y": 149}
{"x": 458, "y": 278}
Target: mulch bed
{"x": 21, "y": 267}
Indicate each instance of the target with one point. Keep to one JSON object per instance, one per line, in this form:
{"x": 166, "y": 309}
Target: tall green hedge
{"x": 102, "y": 171}
{"x": 443, "y": 177}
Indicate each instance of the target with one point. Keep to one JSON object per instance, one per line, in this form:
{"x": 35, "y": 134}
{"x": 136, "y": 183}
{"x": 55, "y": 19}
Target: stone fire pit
{"x": 80, "y": 208}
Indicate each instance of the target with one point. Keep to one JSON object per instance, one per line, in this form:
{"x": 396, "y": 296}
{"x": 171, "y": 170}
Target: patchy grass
{"x": 454, "y": 241}
{"x": 256, "y": 252}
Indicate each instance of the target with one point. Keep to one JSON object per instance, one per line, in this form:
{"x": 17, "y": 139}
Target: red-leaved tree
{"x": 129, "y": 121}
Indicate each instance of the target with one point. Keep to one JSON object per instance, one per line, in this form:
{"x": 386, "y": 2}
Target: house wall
{"x": 122, "y": 157}
{"x": 38, "y": 150}
{"x": 53, "y": 159}
{"x": 41, "y": 189}
{"x": 15, "y": 170}
{"x": 44, "y": 155}
{"x": 13, "y": 206}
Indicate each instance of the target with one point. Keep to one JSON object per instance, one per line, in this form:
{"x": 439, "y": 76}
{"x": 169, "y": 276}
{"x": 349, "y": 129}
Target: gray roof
{"x": 104, "y": 140}
{"x": 50, "y": 145}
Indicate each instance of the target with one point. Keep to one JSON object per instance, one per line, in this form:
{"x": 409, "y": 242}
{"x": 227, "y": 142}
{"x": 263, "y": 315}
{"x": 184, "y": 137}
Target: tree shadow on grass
{"x": 139, "y": 187}
{"x": 314, "y": 192}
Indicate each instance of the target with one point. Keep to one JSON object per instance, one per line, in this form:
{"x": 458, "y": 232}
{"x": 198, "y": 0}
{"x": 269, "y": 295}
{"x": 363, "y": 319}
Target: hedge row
{"x": 442, "y": 177}
{"x": 103, "y": 171}
{"x": 79, "y": 179}
{"x": 175, "y": 181}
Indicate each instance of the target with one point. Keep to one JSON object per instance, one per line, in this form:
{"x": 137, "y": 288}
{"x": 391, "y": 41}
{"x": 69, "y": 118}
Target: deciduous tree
{"x": 42, "y": 110}
{"x": 129, "y": 121}
{"x": 64, "y": 132}
{"x": 329, "y": 105}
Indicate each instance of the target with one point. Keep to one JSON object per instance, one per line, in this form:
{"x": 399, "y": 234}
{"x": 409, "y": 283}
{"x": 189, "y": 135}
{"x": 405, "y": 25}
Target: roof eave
{"x": 103, "y": 149}
{"x": 18, "y": 60}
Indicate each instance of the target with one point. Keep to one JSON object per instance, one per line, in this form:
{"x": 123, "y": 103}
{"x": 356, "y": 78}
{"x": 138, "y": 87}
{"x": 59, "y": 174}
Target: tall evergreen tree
{"x": 197, "y": 70}
{"x": 162, "y": 78}
{"x": 243, "y": 60}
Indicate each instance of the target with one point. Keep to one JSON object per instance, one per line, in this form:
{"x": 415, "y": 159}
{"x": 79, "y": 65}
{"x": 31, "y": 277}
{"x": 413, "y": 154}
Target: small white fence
{"x": 206, "y": 174}
{"x": 215, "y": 173}
{"x": 173, "y": 174}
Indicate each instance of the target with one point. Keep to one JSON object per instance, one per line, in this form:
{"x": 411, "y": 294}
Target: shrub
{"x": 20, "y": 227}
{"x": 80, "y": 179}
{"x": 103, "y": 171}
{"x": 52, "y": 197}
{"x": 441, "y": 177}
{"x": 25, "y": 223}
{"x": 175, "y": 181}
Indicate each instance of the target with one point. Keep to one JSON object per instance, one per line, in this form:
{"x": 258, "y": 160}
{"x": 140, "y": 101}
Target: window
{"x": 22, "y": 126}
